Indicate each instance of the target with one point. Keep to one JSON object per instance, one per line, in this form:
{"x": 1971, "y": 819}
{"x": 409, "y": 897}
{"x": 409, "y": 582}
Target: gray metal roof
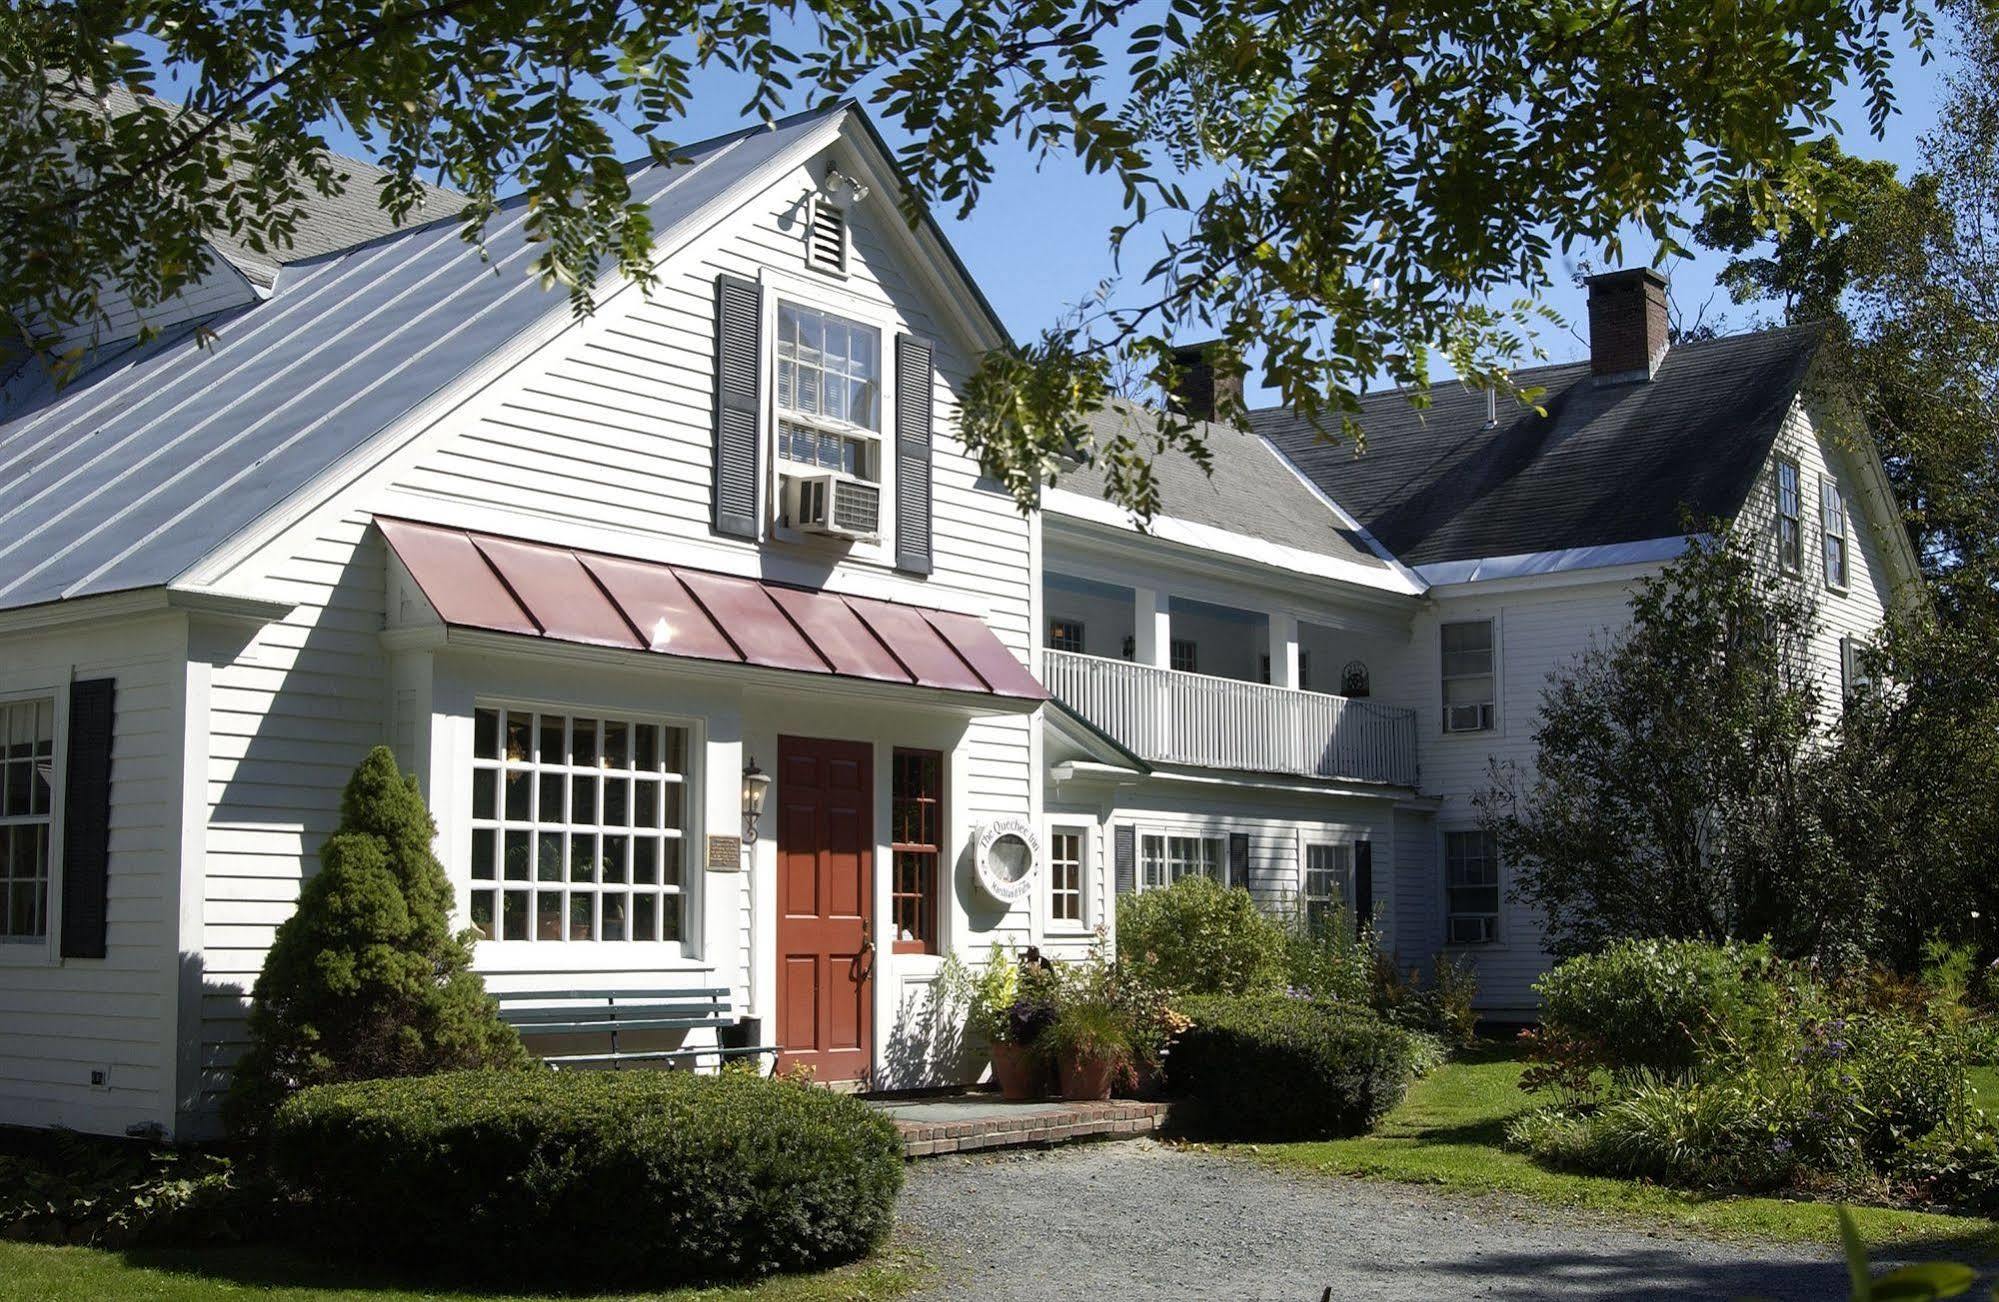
{"x": 1252, "y": 490}
{"x": 330, "y": 222}
{"x": 1609, "y": 463}
{"x": 162, "y": 453}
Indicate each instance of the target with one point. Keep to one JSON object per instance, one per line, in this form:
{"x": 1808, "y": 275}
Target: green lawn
{"x": 31, "y": 1271}
{"x": 1449, "y": 1130}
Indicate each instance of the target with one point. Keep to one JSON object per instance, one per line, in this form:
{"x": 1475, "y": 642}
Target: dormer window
{"x": 826, "y": 237}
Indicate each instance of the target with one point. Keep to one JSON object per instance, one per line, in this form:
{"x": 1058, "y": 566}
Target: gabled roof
{"x": 137, "y": 472}
{"x": 1608, "y": 464}
{"x": 1252, "y": 490}
{"x": 330, "y": 222}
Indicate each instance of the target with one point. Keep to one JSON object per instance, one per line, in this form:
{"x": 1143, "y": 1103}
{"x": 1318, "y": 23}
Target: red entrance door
{"x": 825, "y": 863}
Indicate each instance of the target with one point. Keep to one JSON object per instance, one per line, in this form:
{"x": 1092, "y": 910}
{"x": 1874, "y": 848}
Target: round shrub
{"x": 1658, "y": 1006}
{"x": 592, "y": 1179}
{"x": 1198, "y": 937}
{"x": 1275, "y": 1068}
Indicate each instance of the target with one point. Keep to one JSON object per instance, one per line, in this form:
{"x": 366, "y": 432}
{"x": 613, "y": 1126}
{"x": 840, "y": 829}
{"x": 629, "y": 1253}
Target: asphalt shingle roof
{"x": 137, "y": 471}
{"x": 1252, "y": 490}
{"x": 1608, "y": 464}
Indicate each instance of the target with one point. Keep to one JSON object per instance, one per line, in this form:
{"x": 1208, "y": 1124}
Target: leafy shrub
{"x": 1442, "y": 1007}
{"x": 61, "y": 1187}
{"x": 1276, "y": 1068}
{"x": 366, "y": 979}
{"x": 591, "y": 1179}
{"x": 1702, "y": 1134}
{"x": 1198, "y": 937}
{"x": 1657, "y": 1006}
{"x": 1333, "y": 961}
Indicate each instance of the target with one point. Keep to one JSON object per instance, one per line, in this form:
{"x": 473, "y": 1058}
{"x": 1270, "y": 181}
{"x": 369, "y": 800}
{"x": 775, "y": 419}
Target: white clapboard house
{"x": 727, "y": 675}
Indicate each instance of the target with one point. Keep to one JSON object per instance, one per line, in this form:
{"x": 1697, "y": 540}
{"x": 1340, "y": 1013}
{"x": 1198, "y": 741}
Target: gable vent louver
{"x": 826, "y": 240}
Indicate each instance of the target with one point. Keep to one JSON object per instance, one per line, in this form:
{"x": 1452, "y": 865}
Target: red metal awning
{"x": 509, "y": 585}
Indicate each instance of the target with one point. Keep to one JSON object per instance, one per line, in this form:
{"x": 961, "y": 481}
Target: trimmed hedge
{"x": 592, "y": 1179}
{"x": 1277, "y": 1068}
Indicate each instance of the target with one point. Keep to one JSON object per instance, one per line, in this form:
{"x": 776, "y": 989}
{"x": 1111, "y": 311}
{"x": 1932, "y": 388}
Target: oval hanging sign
{"x": 1005, "y": 862}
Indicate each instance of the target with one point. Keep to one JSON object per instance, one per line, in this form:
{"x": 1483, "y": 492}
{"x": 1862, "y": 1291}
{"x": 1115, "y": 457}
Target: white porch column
{"x": 1283, "y": 650}
{"x": 1152, "y": 627}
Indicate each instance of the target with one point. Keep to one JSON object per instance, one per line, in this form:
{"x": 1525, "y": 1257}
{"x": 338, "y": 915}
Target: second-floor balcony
{"x": 1170, "y": 717}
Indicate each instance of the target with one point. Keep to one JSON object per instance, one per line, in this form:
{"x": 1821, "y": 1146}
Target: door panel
{"x": 825, "y": 800}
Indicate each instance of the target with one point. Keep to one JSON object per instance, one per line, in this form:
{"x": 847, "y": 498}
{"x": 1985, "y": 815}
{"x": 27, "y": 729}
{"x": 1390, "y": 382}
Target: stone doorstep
{"x": 1082, "y": 1120}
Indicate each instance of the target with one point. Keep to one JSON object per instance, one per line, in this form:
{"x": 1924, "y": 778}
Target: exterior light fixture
{"x": 756, "y": 785}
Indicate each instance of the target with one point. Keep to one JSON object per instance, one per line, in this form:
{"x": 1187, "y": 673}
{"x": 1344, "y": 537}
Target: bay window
{"x": 577, "y": 827}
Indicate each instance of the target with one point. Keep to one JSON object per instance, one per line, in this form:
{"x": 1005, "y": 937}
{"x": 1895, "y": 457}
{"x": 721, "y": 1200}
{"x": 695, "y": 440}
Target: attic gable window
{"x": 1790, "y": 518}
{"x": 1832, "y": 522}
{"x": 826, "y": 237}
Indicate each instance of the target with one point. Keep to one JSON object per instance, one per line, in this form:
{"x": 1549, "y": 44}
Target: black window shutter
{"x": 738, "y": 406}
{"x": 1363, "y": 882}
{"x": 1124, "y": 839}
{"x": 1239, "y": 859}
{"x": 914, "y": 391}
{"x": 86, "y": 823}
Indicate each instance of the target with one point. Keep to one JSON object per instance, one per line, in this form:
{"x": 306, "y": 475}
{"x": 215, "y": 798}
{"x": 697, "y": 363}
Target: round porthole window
{"x": 1007, "y": 853}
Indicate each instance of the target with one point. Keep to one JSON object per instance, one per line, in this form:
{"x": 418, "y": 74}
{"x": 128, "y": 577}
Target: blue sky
{"x": 1037, "y": 242}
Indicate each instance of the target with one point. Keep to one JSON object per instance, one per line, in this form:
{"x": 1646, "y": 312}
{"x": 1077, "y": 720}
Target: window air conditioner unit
{"x": 836, "y": 506}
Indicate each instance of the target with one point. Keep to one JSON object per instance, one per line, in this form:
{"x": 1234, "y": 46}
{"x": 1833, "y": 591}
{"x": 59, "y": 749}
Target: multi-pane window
{"x": 1065, "y": 635}
{"x": 1853, "y": 669}
{"x": 1471, "y": 888}
{"x": 1164, "y": 859}
{"x": 577, "y": 825}
{"x": 917, "y": 817}
{"x": 27, "y": 763}
{"x": 1468, "y": 677}
{"x": 1065, "y": 876}
{"x": 1832, "y": 523}
{"x": 829, "y": 392}
{"x": 1328, "y": 884}
{"x": 1184, "y": 656}
{"x": 1790, "y": 518}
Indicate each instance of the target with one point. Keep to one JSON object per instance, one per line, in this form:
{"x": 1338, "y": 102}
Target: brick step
{"x": 971, "y": 1122}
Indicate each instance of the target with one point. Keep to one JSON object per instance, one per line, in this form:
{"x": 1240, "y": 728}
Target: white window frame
{"x": 1496, "y": 932}
{"x": 1833, "y": 535}
{"x": 1489, "y": 717}
{"x": 1080, "y": 924}
{"x": 1341, "y": 871}
{"x": 821, "y": 293}
{"x": 1216, "y": 867}
{"x": 563, "y": 952}
{"x": 1174, "y": 646}
{"x": 1796, "y": 518}
{"x": 46, "y": 950}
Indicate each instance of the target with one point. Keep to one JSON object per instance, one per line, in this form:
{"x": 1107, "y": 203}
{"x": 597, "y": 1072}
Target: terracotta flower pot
{"x": 1086, "y": 1076}
{"x": 1017, "y": 1071}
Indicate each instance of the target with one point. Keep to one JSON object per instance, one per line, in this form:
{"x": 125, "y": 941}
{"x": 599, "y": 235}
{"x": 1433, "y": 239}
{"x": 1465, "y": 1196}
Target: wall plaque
{"x": 725, "y": 854}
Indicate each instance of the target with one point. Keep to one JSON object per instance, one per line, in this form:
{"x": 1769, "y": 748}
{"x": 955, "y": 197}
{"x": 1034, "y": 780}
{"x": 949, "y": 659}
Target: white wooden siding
{"x": 61, "y": 1021}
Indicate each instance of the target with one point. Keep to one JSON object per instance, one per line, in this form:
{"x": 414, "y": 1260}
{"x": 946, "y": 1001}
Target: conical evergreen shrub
{"x": 367, "y": 980}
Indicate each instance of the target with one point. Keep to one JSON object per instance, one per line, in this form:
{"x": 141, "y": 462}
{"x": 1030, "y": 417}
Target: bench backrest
{"x": 573, "y": 1012}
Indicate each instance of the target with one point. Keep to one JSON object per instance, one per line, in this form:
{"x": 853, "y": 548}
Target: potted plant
{"x": 1010, "y": 1004}
{"x": 1102, "y": 1031}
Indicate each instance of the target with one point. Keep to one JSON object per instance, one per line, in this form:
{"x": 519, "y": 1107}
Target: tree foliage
{"x": 1673, "y": 793}
{"x": 366, "y": 979}
{"x": 1335, "y": 188}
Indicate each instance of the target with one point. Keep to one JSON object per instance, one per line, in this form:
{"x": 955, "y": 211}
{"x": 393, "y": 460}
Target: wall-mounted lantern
{"x": 756, "y": 785}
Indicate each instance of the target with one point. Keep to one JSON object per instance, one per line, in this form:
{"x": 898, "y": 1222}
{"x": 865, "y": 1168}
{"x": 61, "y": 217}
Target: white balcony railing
{"x": 1169, "y": 717}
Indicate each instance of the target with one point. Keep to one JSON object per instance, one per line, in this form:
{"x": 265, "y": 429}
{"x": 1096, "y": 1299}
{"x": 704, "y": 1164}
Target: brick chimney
{"x": 1199, "y": 388}
{"x": 1627, "y": 324}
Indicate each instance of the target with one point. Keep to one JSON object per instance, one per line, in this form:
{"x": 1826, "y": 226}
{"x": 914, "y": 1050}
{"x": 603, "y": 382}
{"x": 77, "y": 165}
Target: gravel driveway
{"x": 1110, "y": 1222}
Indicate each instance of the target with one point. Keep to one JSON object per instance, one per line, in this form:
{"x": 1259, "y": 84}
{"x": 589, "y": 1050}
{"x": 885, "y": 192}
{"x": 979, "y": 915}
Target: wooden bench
{"x": 610, "y": 1012}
